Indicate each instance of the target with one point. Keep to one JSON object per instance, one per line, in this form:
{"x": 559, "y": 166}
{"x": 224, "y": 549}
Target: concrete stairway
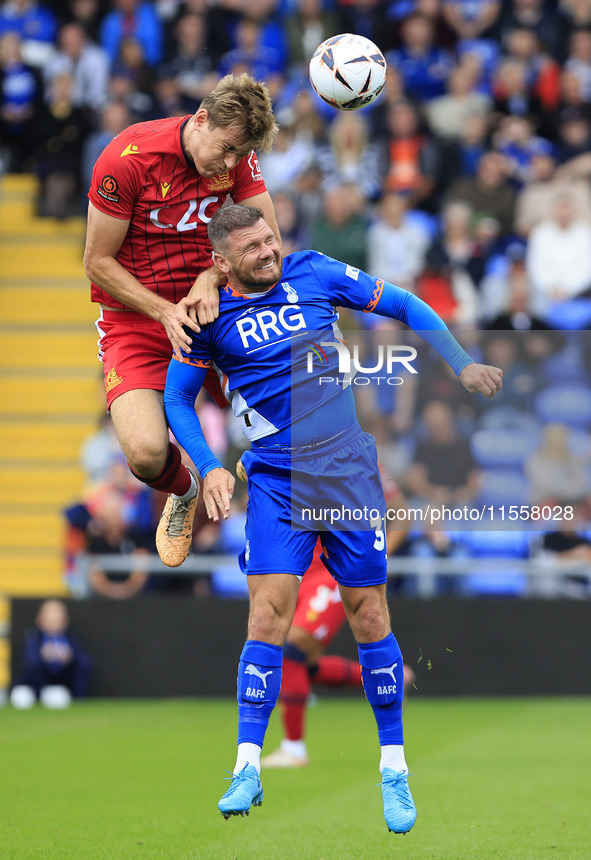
{"x": 50, "y": 386}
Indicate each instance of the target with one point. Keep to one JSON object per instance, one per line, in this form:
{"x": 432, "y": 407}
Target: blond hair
{"x": 240, "y": 99}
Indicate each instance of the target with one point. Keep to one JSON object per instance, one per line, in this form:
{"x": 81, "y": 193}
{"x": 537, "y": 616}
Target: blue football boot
{"x": 400, "y": 811}
{"x": 245, "y": 790}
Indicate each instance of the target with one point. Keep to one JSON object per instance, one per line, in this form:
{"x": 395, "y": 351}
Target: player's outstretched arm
{"x": 482, "y": 378}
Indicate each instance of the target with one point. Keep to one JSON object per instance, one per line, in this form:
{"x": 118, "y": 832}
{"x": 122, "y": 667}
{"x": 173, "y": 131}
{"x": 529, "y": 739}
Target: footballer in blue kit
{"x": 307, "y": 449}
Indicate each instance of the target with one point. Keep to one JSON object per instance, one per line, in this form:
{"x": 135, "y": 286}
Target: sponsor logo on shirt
{"x": 221, "y": 182}
{"x": 257, "y": 329}
{"x": 112, "y": 379}
{"x": 255, "y": 167}
{"x": 352, "y": 272}
{"x": 108, "y": 189}
{"x": 164, "y": 188}
{"x": 132, "y": 149}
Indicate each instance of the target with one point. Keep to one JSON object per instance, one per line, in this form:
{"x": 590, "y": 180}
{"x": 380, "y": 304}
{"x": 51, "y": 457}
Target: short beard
{"x": 262, "y": 281}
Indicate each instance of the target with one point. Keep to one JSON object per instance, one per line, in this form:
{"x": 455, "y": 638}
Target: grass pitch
{"x": 141, "y": 779}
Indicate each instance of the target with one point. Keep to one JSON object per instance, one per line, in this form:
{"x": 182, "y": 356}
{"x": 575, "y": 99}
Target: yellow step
{"x": 20, "y": 304}
{"x": 39, "y": 442}
{"x": 30, "y": 576}
{"x": 30, "y": 529}
{"x": 4, "y": 612}
{"x": 43, "y": 259}
{"x": 54, "y": 350}
{"x": 46, "y": 396}
{"x": 54, "y": 487}
{"x": 18, "y": 183}
{"x": 18, "y": 222}
{"x": 4, "y": 663}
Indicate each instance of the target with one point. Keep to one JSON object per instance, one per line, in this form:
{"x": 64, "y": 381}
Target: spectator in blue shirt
{"x": 20, "y": 95}
{"x": 136, "y": 20}
{"x": 35, "y": 24}
{"x": 423, "y": 66}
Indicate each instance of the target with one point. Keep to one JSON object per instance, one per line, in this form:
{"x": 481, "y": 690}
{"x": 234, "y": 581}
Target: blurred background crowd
{"x": 468, "y": 182}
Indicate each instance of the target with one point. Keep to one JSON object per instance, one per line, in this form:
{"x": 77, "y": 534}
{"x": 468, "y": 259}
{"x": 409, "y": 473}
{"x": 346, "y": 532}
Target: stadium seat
{"x": 503, "y": 487}
{"x": 509, "y": 418}
{"x": 502, "y": 448}
{"x": 569, "y": 404}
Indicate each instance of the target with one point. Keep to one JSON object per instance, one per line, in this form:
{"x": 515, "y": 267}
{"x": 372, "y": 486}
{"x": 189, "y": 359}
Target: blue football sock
{"x": 383, "y": 681}
{"x": 259, "y": 682}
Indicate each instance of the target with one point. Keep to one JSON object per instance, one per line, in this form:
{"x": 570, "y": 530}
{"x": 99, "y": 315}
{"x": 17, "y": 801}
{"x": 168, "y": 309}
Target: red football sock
{"x": 174, "y": 477}
{"x": 334, "y": 671}
{"x": 295, "y": 689}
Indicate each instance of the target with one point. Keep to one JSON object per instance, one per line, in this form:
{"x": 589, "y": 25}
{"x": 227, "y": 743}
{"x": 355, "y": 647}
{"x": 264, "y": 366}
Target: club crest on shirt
{"x": 112, "y": 379}
{"x": 221, "y": 182}
{"x": 108, "y": 189}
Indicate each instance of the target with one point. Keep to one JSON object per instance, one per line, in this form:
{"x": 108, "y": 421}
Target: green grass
{"x": 492, "y": 779}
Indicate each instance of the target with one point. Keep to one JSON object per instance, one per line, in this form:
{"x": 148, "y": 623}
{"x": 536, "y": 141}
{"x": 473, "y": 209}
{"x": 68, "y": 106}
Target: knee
{"x": 268, "y": 622}
{"x": 146, "y": 456}
{"x": 369, "y": 620}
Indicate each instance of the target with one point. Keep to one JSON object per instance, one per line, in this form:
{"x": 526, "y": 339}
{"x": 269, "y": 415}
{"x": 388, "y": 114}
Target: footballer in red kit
{"x": 154, "y": 189}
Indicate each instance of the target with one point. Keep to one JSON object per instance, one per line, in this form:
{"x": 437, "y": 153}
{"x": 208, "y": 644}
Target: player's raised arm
{"x": 183, "y": 384}
{"x": 355, "y": 289}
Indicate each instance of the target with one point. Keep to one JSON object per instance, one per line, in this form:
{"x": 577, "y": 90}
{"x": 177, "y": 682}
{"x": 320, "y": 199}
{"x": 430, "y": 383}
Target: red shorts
{"x": 319, "y": 609}
{"x": 135, "y": 351}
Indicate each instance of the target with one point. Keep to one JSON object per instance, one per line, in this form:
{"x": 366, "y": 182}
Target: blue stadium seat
{"x": 502, "y": 448}
{"x": 509, "y": 418}
{"x": 503, "y": 487}
{"x": 568, "y": 404}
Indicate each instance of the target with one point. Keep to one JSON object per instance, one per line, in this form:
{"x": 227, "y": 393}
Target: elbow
{"x": 88, "y": 262}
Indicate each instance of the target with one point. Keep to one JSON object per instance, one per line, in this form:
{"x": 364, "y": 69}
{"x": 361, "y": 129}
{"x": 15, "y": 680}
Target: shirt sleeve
{"x": 352, "y": 288}
{"x": 117, "y": 178}
{"x": 248, "y": 179}
{"x": 183, "y": 384}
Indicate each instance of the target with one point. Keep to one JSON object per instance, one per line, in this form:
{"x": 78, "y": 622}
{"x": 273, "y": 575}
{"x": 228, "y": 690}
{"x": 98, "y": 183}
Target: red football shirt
{"x": 143, "y": 175}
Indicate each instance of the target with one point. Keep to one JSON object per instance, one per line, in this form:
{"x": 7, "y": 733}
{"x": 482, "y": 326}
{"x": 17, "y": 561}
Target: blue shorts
{"x": 333, "y": 491}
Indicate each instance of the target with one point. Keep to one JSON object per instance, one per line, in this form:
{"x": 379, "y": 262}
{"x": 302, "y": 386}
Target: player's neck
{"x": 244, "y": 290}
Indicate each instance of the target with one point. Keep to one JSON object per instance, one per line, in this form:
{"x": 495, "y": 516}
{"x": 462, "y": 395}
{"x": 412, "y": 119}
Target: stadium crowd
{"x": 467, "y": 182}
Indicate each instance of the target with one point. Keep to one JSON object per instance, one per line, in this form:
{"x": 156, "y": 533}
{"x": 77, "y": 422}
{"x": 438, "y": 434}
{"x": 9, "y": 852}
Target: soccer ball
{"x": 348, "y": 71}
